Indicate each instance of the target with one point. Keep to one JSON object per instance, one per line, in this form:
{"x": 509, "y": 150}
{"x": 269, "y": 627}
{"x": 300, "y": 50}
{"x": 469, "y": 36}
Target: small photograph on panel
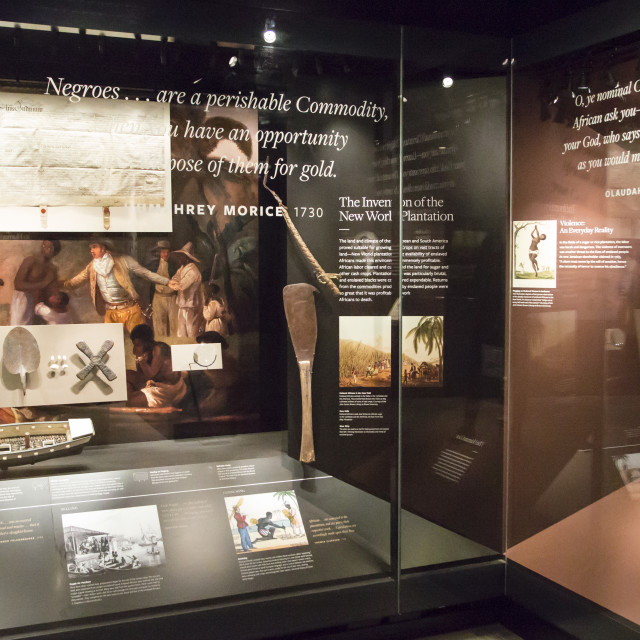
{"x": 265, "y": 521}
{"x": 628, "y": 466}
{"x": 422, "y": 351}
{"x": 112, "y": 540}
{"x": 365, "y": 351}
{"x": 534, "y": 254}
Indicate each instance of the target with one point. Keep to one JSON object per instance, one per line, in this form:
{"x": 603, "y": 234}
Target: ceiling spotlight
{"x": 545, "y": 109}
{"x": 564, "y": 102}
{"x": 447, "y": 82}
{"x": 295, "y": 66}
{"x": 546, "y": 100}
{"x": 233, "y": 61}
{"x": 163, "y": 50}
{"x": 610, "y": 80}
{"x": 269, "y": 33}
{"x": 583, "y": 82}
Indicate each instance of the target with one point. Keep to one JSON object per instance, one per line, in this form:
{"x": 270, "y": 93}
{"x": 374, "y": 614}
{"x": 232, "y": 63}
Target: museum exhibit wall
{"x": 573, "y": 346}
{"x": 323, "y": 246}
{"x": 261, "y": 275}
{"x": 163, "y": 141}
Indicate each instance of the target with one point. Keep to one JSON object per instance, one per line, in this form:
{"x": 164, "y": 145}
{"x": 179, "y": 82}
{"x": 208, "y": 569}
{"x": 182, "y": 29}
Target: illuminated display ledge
{"x": 186, "y": 509}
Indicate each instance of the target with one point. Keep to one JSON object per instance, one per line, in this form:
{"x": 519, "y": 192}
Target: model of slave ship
{"x": 31, "y": 442}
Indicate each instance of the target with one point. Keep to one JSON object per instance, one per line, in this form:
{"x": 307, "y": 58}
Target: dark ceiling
{"x": 494, "y": 17}
{"x": 199, "y": 23}
{"x": 489, "y": 17}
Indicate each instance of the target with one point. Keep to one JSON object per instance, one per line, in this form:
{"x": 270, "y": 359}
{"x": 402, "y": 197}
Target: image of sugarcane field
{"x": 534, "y": 254}
{"x": 112, "y": 540}
{"x": 422, "y": 351}
{"x": 273, "y": 521}
{"x": 365, "y": 351}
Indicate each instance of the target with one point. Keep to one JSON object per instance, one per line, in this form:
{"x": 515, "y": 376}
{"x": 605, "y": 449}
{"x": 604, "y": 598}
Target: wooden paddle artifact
{"x": 300, "y": 309}
{"x": 21, "y": 354}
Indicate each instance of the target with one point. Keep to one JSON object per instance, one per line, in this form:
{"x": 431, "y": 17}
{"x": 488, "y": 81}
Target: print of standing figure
{"x": 187, "y": 282}
{"x": 536, "y": 239}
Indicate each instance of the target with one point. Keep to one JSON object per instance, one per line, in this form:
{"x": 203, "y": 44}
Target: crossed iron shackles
{"x": 95, "y": 361}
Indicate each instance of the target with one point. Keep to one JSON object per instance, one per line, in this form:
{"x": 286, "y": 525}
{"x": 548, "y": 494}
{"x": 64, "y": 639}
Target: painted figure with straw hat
{"x": 163, "y": 298}
{"x": 187, "y": 282}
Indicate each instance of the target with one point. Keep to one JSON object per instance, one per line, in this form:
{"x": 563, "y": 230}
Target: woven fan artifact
{"x": 21, "y": 354}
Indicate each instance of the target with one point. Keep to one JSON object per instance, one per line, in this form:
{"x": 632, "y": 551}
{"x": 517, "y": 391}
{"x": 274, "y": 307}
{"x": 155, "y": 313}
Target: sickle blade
{"x": 300, "y": 310}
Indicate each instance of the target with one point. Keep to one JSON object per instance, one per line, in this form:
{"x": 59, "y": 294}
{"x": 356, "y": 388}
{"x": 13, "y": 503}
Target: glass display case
{"x": 571, "y": 508}
{"x": 452, "y": 330}
{"x": 308, "y": 321}
{"x": 195, "y": 219}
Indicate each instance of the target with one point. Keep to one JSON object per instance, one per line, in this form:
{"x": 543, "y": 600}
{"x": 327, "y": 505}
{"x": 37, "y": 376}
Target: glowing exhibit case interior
{"x": 329, "y": 316}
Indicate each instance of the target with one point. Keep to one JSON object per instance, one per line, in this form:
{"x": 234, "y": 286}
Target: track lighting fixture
{"x": 269, "y": 33}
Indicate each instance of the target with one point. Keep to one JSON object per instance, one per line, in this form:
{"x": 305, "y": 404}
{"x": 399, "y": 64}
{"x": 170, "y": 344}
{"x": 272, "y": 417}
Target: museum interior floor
{"x": 496, "y": 620}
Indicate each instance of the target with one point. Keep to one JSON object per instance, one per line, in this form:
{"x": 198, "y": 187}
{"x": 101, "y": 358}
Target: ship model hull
{"x": 31, "y": 442}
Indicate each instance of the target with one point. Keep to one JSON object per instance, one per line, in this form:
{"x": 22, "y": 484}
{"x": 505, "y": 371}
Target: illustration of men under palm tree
{"x": 534, "y": 260}
{"x": 265, "y": 521}
{"x": 242, "y": 526}
{"x": 422, "y": 351}
{"x": 291, "y": 510}
{"x": 267, "y": 528}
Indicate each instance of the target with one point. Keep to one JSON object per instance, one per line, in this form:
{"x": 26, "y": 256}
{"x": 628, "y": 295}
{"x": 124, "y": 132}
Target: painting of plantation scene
{"x": 422, "y": 351}
{"x": 365, "y": 351}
